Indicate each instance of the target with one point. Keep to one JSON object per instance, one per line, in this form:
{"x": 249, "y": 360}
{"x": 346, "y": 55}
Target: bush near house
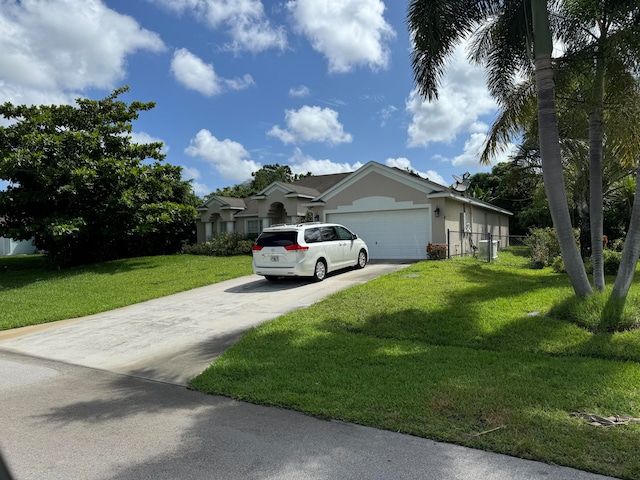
{"x": 222, "y": 245}
{"x": 436, "y": 251}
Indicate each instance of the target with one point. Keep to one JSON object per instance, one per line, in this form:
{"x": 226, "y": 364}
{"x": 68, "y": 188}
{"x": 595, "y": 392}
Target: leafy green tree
{"x": 82, "y": 190}
{"x": 511, "y": 185}
{"x": 261, "y": 179}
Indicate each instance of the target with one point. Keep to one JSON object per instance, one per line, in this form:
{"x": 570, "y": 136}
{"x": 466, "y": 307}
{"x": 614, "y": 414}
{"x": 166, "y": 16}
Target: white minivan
{"x": 307, "y": 250}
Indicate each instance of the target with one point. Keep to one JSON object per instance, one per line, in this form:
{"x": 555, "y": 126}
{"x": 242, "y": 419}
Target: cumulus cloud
{"x": 192, "y": 72}
{"x": 463, "y": 99}
{"x": 300, "y": 91}
{"x": 349, "y": 33}
{"x": 404, "y": 164}
{"x": 301, "y": 164}
{"x": 228, "y": 158}
{"x": 142, "y": 138}
{"x": 244, "y": 21}
{"x": 193, "y": 175}
{"x": 311, "y": 124}
{"x": 53, "y": 48}
{"x": 472, "y": 149}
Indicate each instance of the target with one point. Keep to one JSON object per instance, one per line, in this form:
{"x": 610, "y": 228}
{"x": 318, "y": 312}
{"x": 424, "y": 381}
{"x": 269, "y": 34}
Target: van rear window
{"x": 276, "y": 239}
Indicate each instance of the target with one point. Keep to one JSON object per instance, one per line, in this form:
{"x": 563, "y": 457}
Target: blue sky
{"x": 320, "y": 85}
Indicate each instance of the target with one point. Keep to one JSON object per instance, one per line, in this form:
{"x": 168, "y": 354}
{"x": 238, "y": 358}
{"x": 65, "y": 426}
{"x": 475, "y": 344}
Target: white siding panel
{"x": 394, "y": 235}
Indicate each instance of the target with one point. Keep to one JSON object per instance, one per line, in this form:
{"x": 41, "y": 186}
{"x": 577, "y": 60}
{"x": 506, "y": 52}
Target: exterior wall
{"x": 8, "y": 246}
{"x": 479, "y": 223}
{"x": 293, "y": 207}
{"x": 375, "y": 184}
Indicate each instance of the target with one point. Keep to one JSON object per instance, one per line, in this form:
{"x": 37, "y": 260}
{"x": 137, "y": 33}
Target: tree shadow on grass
{"x": 447, "y": 393}
{"x": 18, "y": 272}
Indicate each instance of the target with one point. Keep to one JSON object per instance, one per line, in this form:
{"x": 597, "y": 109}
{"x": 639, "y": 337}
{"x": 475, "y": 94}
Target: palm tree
{"x": 602, "y": 36}
{"x": 437, "y": 26}
{"x": 598, "y": 71}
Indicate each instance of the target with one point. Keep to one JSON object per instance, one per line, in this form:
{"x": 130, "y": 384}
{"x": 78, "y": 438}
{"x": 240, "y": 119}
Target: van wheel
{"x": 362, "y": 259}
{"x": 320, "y": 271}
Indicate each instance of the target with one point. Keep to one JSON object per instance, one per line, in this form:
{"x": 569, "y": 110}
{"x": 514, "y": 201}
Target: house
{"x": 397, "y": 213}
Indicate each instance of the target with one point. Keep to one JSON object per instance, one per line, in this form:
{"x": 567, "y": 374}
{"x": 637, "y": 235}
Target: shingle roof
{"x": 234, "y": 202}
{"x": 320, "y": 183}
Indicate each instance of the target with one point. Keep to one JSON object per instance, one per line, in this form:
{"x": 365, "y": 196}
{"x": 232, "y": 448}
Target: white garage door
{"x": 399, "y": 235}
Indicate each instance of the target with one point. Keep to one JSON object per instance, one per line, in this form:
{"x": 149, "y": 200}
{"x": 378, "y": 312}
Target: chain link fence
{"x": 481, "y": 245}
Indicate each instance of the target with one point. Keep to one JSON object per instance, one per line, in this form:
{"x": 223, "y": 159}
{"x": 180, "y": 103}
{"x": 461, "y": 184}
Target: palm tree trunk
{"x": 631, "y": 250}
{"x": 596, "y": 129}
{"x": 552, "y": 172}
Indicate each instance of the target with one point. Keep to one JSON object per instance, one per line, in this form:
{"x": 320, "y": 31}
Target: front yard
{"x": 458, "y": 351}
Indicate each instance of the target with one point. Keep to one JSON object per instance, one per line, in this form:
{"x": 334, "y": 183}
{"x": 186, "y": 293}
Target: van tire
{"x": 362, "y": 259}
{"x": 320, "y": 271}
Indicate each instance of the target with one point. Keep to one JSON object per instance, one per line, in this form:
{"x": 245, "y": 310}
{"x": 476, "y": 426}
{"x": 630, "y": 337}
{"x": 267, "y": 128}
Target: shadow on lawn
{"x": 17, "y": 272}
{"x": 446, "y": 393}
{"x": 471, "y": 317}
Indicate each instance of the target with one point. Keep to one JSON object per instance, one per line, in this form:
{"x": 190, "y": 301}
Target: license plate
{"x": 275, "y": 258}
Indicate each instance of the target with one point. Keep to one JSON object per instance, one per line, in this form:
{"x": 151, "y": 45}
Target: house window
{"x": 253, "y": 228}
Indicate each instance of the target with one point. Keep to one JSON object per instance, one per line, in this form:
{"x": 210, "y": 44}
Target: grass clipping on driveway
{"x": 457, "y": 351}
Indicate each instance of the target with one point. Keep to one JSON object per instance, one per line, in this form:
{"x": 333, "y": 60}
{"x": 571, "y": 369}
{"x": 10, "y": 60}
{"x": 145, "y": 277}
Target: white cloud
{"x": 311, "y": 124}
{"x": 463, "y": 99}
{"x": 239, "y": 83}
{"x": 142, "y": 138}
{"x": 192, "y": 72}
{"x": 190, "y": 173}
{"x": 244, "y": 20}
{"x": 473, "y": 148}
{"x": 404, "y": 164}
{"x": 301, "y": 164}
{"x": 300, "y": 91}
{"x": 52, "y": 48}
{"x": 349, "y": 33}
{"x": 386, "y": 113}
{"x": 228, "y": 158}
{"x": 193, "y": 174}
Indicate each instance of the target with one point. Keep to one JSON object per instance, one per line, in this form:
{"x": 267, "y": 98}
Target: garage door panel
{"x": 401, "y": 234}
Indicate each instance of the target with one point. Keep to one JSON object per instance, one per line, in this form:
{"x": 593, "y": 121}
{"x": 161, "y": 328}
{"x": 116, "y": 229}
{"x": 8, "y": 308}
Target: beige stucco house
{"x": 396, "y": 212}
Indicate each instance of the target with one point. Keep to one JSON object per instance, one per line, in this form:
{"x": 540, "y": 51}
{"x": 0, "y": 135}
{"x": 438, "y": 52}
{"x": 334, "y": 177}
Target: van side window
{"x": 328, "y": 234}
{"x": 344, "y": 234}
{"x": 312, "y": 235}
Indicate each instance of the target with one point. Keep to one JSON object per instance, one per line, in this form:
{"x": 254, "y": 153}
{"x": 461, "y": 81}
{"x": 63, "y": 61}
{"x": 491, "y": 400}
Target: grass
{"x": 30, "y": 294}
{"x": 459, "y": 351}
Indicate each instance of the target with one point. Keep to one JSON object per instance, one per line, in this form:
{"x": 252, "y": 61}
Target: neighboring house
{"x": 9, "y": 246}
{"x": 396, "y": 212}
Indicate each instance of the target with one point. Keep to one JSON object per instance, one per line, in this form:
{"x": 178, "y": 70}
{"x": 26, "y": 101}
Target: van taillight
{"x": 256, "y": 248}
{"x": 295, "y": 247}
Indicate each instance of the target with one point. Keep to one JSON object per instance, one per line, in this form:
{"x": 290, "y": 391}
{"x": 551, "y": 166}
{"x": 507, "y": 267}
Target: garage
{"x": 395, "y": 234}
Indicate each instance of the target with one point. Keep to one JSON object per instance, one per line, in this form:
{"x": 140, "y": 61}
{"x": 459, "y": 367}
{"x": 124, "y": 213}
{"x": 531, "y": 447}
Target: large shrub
{"x": 544, "y": 246}
{"x": 222, "y": 245}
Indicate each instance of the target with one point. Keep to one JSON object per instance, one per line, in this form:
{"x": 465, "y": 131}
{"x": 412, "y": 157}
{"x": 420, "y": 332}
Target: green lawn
{"x": 31, "y": 294}
{"x": 459, "y": 351}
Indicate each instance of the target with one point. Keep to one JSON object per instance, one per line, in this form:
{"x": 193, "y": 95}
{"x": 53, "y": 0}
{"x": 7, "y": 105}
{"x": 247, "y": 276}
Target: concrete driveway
{"x": 174, "y": 338}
